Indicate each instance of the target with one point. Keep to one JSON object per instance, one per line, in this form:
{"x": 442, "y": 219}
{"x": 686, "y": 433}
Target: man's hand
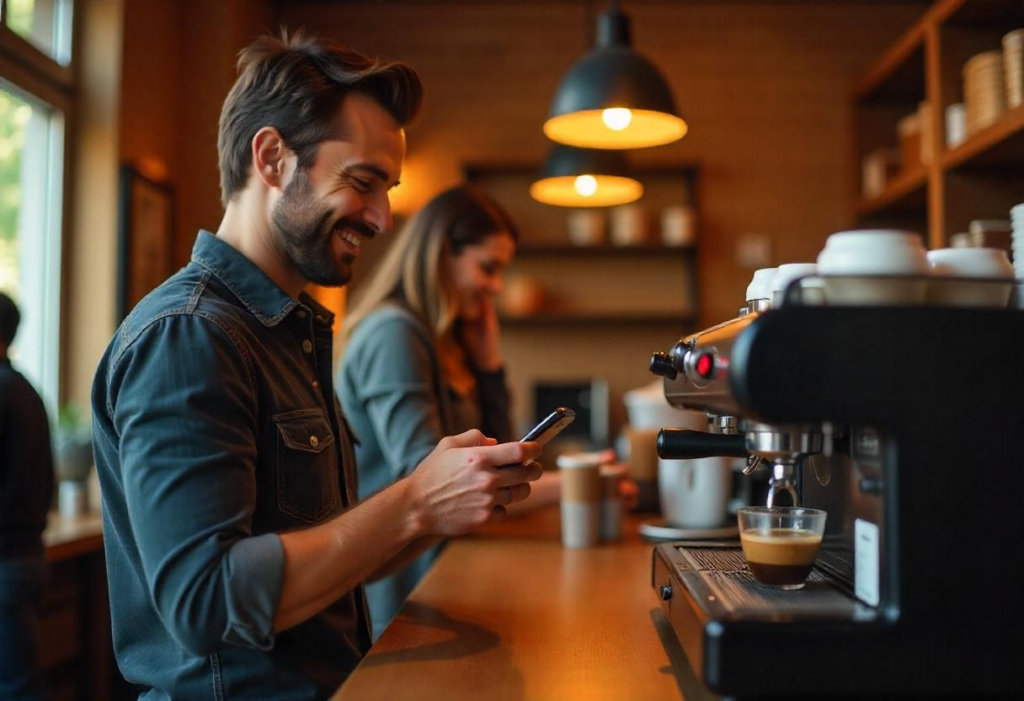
{"x": 468, "y": 480}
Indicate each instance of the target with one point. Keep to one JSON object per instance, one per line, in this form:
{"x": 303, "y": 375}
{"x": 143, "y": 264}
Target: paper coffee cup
{"x": 581, "y": 499}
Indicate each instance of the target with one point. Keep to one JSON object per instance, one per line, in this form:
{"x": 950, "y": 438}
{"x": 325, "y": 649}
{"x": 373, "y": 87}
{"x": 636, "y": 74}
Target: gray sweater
{"x": 399, "y": 407}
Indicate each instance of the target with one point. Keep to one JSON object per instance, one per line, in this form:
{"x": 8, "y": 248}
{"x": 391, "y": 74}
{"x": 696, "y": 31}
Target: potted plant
{"x": 72, "y": 452}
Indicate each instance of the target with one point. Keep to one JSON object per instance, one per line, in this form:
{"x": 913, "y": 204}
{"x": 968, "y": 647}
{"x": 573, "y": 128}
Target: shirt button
{"x": 301, "y": 313}
{"x": 314, "y": 441}
{"x": 307, "y": 346}
{"x": 316, "y": 383}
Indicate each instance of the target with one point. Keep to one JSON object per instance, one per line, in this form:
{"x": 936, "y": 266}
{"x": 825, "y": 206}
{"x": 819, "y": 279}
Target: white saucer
{"x": 659, "y": 529}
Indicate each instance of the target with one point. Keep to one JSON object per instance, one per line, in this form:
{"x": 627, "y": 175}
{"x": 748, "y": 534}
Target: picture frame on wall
{"x": 145, "y": 237}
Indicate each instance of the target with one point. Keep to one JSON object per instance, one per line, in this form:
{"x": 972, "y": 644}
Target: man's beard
{"x": 301, "y": 232}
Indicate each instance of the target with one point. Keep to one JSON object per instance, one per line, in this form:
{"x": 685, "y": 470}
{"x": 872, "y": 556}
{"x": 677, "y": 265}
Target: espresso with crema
{"x": 781, "y": 556}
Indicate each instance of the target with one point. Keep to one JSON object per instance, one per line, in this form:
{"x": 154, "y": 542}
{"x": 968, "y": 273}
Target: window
{"x": 36, "y": 87}
{"x": 31, "y": 180}
{"x": 46, "y": 24}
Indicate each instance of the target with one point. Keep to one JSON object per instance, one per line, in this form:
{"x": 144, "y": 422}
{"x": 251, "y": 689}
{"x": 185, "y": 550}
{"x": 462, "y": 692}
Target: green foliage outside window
{"x": 14, "y": 116}
{"x": 19, "y": 16}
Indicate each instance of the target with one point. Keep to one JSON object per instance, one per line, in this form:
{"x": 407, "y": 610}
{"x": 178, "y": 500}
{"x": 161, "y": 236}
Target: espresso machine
{"x": 899, "y": 421}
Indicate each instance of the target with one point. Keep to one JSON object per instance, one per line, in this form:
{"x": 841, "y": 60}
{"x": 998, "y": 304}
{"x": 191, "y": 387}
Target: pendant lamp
{"x": 575, "y": 177}
{"x": 613, "y": 98}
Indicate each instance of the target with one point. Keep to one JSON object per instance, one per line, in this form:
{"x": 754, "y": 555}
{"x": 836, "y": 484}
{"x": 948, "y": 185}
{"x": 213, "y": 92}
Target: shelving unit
{"x": 607, "y": 307}
{"x": 665, "y": 321}
{"x": 982, "y": 177}
{"x": 603, "y": 251}
{"x": 629, "y": 284}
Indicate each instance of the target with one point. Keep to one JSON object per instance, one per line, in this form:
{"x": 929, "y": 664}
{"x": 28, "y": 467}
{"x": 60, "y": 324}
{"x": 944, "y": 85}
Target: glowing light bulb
{"x": 586, "y": 185}
{"x": 617, "y": 118}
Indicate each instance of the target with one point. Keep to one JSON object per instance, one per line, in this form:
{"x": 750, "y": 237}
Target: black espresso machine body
{"x": 914, "y": 592}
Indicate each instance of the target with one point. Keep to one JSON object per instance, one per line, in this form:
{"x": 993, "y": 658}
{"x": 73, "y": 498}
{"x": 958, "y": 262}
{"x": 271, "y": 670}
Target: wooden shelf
{"x": 979, "y": 179}
{"x": 559, "y": 250}
{"x": 898, "y": 75}
{"x": 658, "y": 318}
{"x": 904, "y": 193}
{"x": 999, "y": 145}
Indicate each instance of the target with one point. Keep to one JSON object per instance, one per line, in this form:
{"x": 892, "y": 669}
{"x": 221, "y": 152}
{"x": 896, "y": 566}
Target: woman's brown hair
{"x": 412, "y": 272}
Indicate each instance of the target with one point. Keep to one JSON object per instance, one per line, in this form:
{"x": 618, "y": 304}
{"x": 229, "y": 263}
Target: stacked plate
{"x": 1017, "y": 219}
{"x": 1013, "y": 67}
{"x": 984, "y": 90}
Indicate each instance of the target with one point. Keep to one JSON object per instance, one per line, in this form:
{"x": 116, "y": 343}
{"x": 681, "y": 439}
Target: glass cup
{"x": 780, "y": 543}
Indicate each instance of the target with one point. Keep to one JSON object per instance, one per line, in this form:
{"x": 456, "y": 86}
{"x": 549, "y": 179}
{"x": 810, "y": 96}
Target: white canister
{"x": 956, "y": 125}
{"x": 629, "y": 225}
{"x": 587, "y": 227}
{"x": 678, "y": 226}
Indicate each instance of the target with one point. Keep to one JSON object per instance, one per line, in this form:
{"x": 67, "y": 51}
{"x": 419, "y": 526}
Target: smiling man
{"x": 235, "y": 549}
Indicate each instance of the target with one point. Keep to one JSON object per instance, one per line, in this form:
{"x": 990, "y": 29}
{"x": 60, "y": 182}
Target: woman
{"x": 422, "y": 357}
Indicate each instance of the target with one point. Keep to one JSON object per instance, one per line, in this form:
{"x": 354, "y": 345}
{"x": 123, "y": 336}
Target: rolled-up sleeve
{"x": 183, "y": 406}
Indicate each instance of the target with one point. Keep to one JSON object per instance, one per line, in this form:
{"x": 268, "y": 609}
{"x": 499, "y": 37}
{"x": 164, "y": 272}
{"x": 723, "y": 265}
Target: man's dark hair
{"x": 9, "y": 319}
{"x": 296, "y": 84}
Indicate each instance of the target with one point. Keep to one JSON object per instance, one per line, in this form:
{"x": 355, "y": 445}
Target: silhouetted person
{"x": 26, "y": 490}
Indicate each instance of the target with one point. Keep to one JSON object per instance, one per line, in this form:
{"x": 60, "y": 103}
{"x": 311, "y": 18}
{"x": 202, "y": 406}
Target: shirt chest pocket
{"x": 307, "y": 469}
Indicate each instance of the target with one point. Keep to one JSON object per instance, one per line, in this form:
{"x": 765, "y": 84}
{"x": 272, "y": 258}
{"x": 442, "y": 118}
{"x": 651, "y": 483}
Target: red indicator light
{"x": 705, "y": 366}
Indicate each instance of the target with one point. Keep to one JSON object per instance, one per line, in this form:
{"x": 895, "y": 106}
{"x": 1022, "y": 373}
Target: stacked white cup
{"x": 874, "y": 267}
{"x": 970, "y": 277}
{"x": 760, "y": 287}
{"x": 1017, "y": 220}
{"x": 786, "y": 273}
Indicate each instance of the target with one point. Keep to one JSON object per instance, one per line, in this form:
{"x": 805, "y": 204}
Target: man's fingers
{"x": 469, "y": 439}
{"x": 519, "y": 474}
{"x": 519, "y": 492}
{"x": 498, "y": 514}
{"x": 512, "y": 453}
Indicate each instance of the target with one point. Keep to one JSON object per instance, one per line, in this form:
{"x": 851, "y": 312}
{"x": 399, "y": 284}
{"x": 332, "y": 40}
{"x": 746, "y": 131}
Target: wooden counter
{"x": 510, "y": 614}
{"x": 70, "y": 537}
{"x": 74, "y": 621}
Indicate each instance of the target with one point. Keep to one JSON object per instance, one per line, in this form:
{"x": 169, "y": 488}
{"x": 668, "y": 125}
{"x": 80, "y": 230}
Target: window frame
{"x": 20, "y": 50}
{"x": 41, "y": 78}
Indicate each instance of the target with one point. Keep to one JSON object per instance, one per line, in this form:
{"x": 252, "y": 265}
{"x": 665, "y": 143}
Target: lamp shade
{"x": 574, "y": 177}
{"x": 613, "y": 98}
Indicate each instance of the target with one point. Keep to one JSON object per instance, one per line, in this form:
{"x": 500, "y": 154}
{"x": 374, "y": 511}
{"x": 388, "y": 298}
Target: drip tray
{"x": 724, "y": 572}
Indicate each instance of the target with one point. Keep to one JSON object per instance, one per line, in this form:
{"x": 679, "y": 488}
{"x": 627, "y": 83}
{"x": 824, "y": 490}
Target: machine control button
{"x": 665, "y": 592}
{"x": 705, "y": 366}
{"x": 662, "y": 365}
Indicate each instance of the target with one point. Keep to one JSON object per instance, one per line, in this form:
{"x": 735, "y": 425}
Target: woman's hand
{"x": 481, "y": 338}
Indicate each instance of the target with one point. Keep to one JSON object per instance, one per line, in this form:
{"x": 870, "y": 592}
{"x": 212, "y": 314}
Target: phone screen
{"x": 551, "y": 426}
{"x": 547, "y": 429}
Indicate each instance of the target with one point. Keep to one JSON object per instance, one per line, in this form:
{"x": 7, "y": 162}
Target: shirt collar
{"x": 263, "y": 297}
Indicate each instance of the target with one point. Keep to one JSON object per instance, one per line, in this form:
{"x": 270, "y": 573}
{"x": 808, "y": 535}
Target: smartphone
{"x": 550, "y": 427}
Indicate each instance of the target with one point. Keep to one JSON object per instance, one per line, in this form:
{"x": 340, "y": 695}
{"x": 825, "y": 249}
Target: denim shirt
{"x": 216, "y": 428}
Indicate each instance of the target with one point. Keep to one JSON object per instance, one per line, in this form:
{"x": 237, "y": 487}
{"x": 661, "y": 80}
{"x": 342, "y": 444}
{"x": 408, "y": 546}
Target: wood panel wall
{"x": 764, "y": 86}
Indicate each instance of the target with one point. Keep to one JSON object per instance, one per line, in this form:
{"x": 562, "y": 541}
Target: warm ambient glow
{"x": 617, "y": 118}
{"x": 586, "y": 185}
{"x": 608, "y": 190}
{"x": 588, "y": 129}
